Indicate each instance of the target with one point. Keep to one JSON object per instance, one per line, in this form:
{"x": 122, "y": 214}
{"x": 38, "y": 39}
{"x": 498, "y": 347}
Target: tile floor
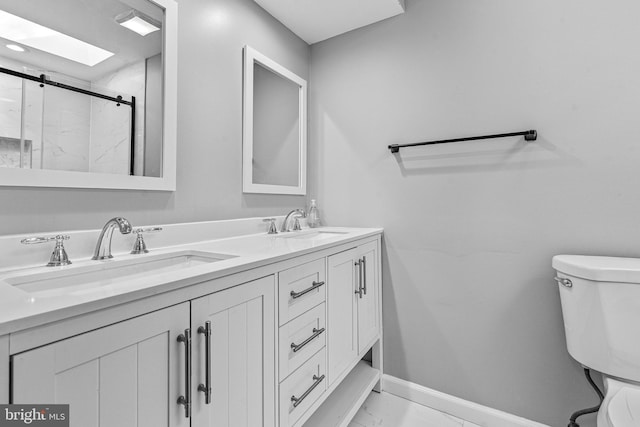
{"x": 386, "y": 410}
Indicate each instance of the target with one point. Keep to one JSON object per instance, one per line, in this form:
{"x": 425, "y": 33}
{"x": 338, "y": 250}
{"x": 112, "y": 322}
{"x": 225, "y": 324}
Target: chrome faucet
{"x": 296, "y": 214}
{"x": 103, "y": 248}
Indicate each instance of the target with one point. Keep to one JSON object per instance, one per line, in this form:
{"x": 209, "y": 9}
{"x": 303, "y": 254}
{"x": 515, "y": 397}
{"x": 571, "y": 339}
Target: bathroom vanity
{"x": 207, "y": 329}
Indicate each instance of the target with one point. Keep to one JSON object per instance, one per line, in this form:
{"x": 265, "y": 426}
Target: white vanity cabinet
{"x": 302, "y": 339}
{"x": 133, "y": 372}
{"x": 342, "y": 318}
{"x": 353, "y": 319}
{"x": 368, "y": 301}
{"x": 127, "y": 374}
{"x": 4, "y": 369}
{"x": 241, "y": 349}
{"x": 335, "y": 381}
{"x": 277, "y": 344}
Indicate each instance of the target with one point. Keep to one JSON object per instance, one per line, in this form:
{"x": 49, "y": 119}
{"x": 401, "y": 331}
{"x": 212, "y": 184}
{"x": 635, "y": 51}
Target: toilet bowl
{"x": 621, "y": 405}
{"x": 600, "y": 298}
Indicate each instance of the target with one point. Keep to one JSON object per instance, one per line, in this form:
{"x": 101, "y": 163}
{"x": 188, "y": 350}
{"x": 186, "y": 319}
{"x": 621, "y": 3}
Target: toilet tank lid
{"x": 599, "y": 268}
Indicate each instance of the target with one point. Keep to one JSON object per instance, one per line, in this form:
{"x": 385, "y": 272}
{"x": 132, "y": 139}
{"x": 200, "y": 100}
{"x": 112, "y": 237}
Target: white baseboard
{"x": 469, "y": 411}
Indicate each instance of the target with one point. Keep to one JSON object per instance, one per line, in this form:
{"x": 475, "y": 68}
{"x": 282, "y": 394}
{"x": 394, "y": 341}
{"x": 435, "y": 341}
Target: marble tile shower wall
{"x": 44, "y": 110}
{"x": 33, "y": 129}
{"x": 56, "y": 122}
{"x": 10, "y": 110}
{"x": 71, "y": 131}
{"x": 10, "y": 92}
{"x": 66, "y": 130}
{"x": 10, "y": 153}
{"x": 110, "y": 124}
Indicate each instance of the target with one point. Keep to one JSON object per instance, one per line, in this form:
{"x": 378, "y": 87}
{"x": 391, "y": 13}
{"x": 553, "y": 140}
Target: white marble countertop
{"x": 20, "y": 308}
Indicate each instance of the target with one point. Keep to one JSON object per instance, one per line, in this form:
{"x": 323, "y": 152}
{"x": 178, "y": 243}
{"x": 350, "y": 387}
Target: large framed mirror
{"x": 274, "y": 142}
{"x": 88, "y": 93}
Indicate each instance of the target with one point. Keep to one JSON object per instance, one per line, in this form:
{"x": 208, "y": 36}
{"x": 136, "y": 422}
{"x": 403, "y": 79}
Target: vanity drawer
{"x": 302, "y": 389}
{"x": 301, "y": 338}
{"x": 300, "y": 289}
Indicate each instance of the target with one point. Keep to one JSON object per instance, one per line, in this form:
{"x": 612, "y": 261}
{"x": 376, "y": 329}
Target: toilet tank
{"x": 601, "y": 312}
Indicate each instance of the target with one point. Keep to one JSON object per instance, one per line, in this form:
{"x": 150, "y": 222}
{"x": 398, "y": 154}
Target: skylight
{"x": 30, "y": 34}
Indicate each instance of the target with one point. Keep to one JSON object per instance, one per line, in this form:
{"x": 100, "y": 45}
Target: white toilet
{"x": 600, "y": 299}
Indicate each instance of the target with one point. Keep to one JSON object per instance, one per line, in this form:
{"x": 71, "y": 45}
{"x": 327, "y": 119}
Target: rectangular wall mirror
{"x": 274, "y": 139}
{"x": 88, "y": 93}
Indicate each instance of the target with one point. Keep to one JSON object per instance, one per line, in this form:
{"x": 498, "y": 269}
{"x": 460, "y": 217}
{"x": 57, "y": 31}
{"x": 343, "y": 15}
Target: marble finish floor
{"x": 386, "y": 410}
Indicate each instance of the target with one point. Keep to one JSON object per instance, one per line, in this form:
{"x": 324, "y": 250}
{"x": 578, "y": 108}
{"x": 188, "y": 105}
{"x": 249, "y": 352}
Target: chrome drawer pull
{"x": 298, "y": 400}
{"x": 316, "y": 333}
{"x": 182, "y": 400}
{"x": 359, "y": 265}
{"x": 206, "y": 387}
{"x": 567, "y": 283}
{"x": 315, "y": 285}
{"x": 364, "y": 274}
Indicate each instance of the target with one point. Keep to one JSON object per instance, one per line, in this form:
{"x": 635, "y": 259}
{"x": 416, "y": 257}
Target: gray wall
{"x": 471, "y": 308}
{"x": 209, "y": 174}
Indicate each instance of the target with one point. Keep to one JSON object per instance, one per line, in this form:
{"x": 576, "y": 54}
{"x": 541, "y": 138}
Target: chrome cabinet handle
{"x": 567, "y": 283}
{"x": 359, "y": 264}
{"x": 298, "y": 400}
{"x": 315, "y": 286}
{"x": 206, "y": 387}
{"x": 364, "y": 274}
{"x": 316, "y": 333}
{"x": 186, "y": 399}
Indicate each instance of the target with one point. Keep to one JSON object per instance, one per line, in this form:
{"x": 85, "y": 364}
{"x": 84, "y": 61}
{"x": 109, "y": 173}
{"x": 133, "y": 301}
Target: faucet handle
{"x": 272, "y": 225}
{"x": 140, "y": 247}
{"x": 148, "y": 230}
{"x": 59, "y": 255}
{"x": 296, "y": 225}
{"x": 45, "y": 239}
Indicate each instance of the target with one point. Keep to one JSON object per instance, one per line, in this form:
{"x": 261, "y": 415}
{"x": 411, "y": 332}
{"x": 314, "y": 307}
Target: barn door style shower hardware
{"x": 529, "y": 135}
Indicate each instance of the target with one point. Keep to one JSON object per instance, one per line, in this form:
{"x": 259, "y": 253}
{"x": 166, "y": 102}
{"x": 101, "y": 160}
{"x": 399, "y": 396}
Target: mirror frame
{"x": 251, "y": 57}
{"x": 67, "y": 179}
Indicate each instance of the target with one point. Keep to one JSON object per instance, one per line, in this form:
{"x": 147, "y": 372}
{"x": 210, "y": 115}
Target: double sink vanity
{"x": 220, "y": 324}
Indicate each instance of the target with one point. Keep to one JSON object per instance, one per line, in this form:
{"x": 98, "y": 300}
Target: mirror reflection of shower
{"x": 61, "y": 126}
{"x": 81, "y": 86}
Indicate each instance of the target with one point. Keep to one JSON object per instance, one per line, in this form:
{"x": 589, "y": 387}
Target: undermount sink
{"x": 105, "y": 273}
{"x": 312, "y": 235}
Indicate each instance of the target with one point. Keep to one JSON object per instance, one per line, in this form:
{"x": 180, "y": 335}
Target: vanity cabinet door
{"x": 129, "y": 374}
{"x": 342, "y": 315}
{"x": 369, "y": 301}
{"x": 4, "y": 370}
{"x": 241, "y": 356}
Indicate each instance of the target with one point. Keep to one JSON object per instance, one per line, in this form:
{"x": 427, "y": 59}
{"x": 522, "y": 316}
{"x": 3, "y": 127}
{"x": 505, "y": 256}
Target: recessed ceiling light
{"x": 16, "y": 48}
{"x": 138, "y": 22}
{"x": 34, "y": 35}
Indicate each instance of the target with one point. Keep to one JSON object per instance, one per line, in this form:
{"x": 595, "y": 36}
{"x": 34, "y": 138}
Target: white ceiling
{"x": 317, "y": 20}
{"x": 91, "y": 21}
